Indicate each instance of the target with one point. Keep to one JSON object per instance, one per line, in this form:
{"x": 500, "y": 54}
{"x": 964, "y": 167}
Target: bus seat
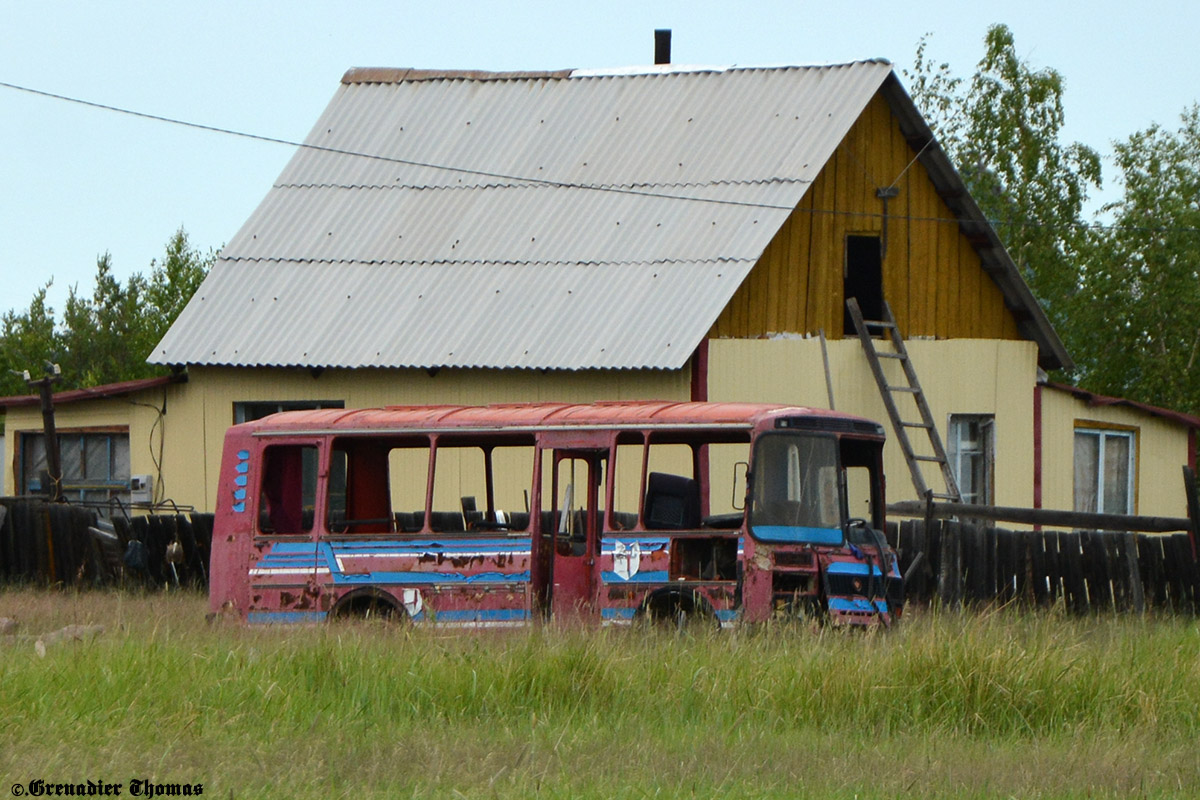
{"x": 447, "y": 521}
{"x": 407, "y": 522}
{"x": 672, "y": 502}
{"x": 471, "y": 513}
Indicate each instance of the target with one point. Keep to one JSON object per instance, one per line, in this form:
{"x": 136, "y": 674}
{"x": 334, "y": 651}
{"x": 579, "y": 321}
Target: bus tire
{"x": 369, "y": 603}
{"x": 681, "y": 609}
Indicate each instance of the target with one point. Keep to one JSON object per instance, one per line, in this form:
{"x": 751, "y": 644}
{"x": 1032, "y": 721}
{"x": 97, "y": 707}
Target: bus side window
{"x": 288, "y": 490}
{"x": 358, "y": 488}
{"x": 672, "y": 500}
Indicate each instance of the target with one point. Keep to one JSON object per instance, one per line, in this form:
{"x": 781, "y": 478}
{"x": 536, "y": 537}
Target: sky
{"x": 77, "y": 182}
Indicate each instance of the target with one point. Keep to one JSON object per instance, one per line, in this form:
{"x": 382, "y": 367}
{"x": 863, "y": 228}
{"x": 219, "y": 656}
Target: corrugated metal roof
{"x": 523, "y": 220}
{"x": 94, "y": 392}
{"x": 1099, "y": 400}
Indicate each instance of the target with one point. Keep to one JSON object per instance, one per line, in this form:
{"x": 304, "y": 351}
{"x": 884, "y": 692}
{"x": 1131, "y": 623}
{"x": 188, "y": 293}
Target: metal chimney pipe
{"x": 662, "y": 46}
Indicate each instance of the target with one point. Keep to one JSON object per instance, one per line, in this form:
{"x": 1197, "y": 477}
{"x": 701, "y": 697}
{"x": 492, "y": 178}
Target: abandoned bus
{"x": 707, "y": 513}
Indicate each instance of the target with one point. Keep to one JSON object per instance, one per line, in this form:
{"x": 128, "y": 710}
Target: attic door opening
{"x": 862, "y": 278}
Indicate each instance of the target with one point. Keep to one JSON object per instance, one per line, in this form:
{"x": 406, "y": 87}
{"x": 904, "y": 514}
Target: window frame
{"x": 1105, "y": 431}
{"x": 76, "y": 490}
{"x": 755, "y": 499}
{"x": 436, "y": 450}
{"x": 311, "y": 467}
{"x": 987, "y": 452}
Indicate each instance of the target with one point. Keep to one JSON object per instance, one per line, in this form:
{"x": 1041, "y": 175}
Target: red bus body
{"x": 305, "y": 526}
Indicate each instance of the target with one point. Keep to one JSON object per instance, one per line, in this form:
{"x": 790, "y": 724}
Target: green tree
{"x": 172, "y": 283}
{"x": 27, "y": 342}
{"x": 1136, "y": 326}
{"x": 104, "y": 338}
{"x": 1003, "y": 129}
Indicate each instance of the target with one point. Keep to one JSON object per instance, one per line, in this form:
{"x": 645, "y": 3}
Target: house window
{"x": 1105, "y": 466}
{"x": 250, "y": 411}
{"x": 95, "y": 465}
{"x": 970, "y": 451}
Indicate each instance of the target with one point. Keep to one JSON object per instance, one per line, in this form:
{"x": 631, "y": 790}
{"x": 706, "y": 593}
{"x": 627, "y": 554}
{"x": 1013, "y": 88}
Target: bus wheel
{"x": 369, "y": 604}
{"x": 680, "y": 610}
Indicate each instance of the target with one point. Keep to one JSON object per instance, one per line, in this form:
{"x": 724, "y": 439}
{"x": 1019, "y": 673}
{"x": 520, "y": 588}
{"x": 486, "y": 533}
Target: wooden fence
{"x": 45, "y": 542}
{"x": 969, "y": 563}
{"x": 59, "y": 543}
{"x": 950, "y": 561}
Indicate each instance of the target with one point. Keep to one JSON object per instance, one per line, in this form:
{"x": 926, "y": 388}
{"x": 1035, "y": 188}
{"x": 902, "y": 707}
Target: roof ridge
{"x": 383, "y": 75}
{"x": 410, "y": 74}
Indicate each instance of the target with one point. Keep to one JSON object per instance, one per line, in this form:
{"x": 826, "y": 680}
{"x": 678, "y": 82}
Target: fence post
{"x": 1137, "y": 594}
{"x": 1193, "y": 505}
{"x": 950, "y": 573}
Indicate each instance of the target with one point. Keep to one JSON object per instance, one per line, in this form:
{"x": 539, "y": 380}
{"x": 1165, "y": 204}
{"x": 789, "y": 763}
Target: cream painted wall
{"x": 139, "y": 412}
{"x": 193, "y": 452}
{"x": 959, "y": 376}
{"x": 1162, "y": 451}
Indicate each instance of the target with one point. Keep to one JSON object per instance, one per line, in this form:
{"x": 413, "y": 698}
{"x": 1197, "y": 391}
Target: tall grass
{"x": 1003, "y": 704}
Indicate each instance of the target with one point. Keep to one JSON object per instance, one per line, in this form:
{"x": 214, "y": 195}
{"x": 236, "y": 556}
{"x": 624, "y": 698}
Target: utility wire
{"x": 630, "y": 190}
{"x": 389, "y": 159}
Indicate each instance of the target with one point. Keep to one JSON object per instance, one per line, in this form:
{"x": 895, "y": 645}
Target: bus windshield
{"x": 795, "y": 490}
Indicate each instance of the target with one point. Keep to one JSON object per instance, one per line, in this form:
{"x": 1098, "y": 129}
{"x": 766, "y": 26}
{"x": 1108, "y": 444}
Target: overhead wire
{"x": 612, "y": 188}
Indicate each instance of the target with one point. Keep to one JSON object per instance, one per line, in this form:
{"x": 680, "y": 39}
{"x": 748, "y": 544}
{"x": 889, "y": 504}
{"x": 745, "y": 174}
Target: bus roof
{"x": 623, "y": 414}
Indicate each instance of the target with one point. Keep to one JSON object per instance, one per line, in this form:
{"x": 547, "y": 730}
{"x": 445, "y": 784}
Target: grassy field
{"x": 994, "y": 705}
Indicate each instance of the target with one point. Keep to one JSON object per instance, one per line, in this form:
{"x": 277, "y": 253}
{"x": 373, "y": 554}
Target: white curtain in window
{"x": 1116, "y": 475}
{"x": 1087, "y": 460}
{"x": 1104, "y": 471}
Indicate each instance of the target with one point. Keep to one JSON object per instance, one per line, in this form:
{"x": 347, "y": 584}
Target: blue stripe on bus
{"x": 286, "y": 617}
{"x": 617, "y": 613}
{"x": 430, "y": 577}
{"x": 482, "y": 615}
{"x": 851, "y": 568}
{"x": 376, "y": 545}
{"x": 799, "y": 534}
{"x": 648, "y": 576}
{"x": 434, "y": 544}
{"x": 292, "y": 548}
{"x": 856, "y": 604}
{"x": 609, "y": 544}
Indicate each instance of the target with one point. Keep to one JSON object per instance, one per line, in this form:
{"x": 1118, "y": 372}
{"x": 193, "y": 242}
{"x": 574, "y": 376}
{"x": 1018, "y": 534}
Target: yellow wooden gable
{"x": 933, "y": 277}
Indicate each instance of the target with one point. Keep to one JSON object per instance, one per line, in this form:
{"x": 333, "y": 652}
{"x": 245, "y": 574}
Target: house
{"x": 107, "y": 435}
{"x": 1111, "y": 455}
{"x": 663, "y": 232}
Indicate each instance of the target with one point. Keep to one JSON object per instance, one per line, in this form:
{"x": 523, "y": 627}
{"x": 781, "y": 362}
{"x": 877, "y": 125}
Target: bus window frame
{"x": 433, "y": 443}
{"x": 258, "y": 476}
{"x": 839, "y": 477}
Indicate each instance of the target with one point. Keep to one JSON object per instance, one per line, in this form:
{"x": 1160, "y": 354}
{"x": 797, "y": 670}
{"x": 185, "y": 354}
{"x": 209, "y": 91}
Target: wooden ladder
{"x": 890, "y": 331}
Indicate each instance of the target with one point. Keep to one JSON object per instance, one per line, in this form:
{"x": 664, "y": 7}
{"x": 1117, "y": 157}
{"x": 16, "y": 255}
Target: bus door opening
{"x": 573, "y": 525}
